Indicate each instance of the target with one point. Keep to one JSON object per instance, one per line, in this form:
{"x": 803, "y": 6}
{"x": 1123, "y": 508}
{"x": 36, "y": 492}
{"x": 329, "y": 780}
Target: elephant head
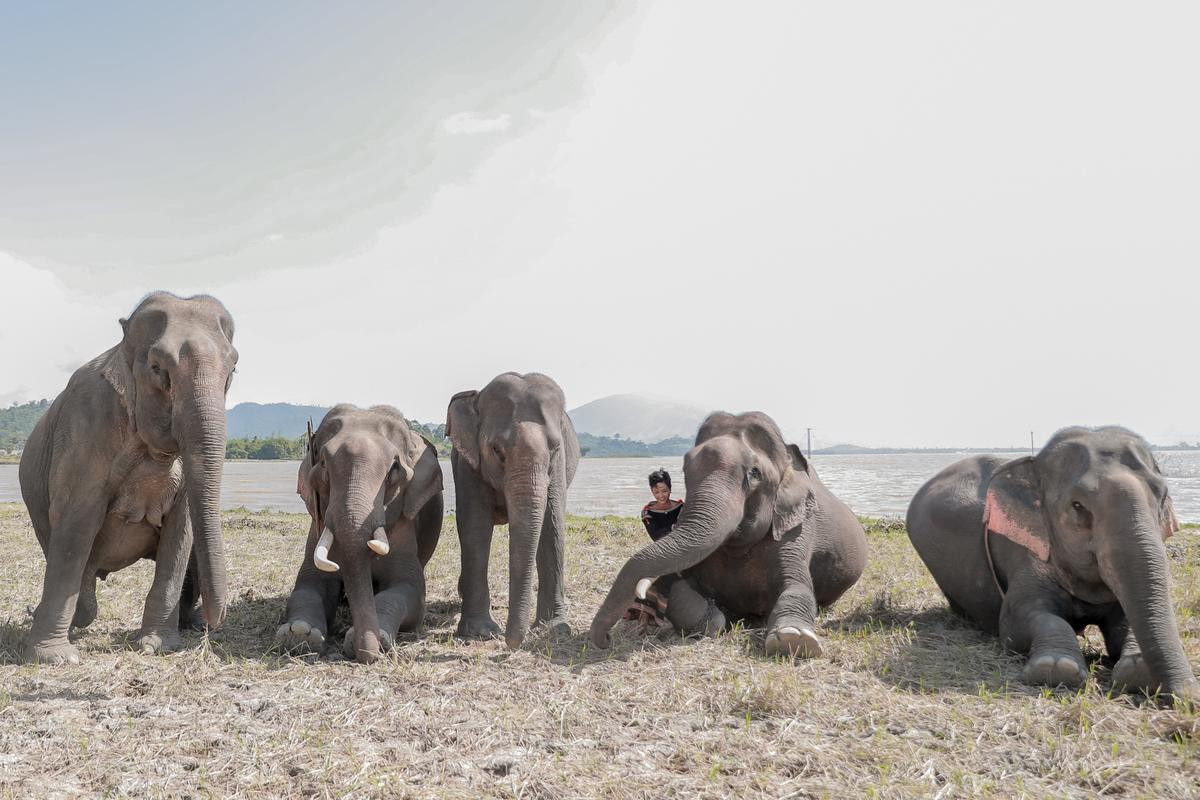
{"x": 172, "y": 371}
{"x": 1093, "y": 506}
{"x": 512, "y": 433}
{"x": 744, "y": 482}
{"x": 365, "y": 478}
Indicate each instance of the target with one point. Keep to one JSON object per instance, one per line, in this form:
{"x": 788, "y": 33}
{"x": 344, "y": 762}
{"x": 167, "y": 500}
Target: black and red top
{"x": 659, "y": 523}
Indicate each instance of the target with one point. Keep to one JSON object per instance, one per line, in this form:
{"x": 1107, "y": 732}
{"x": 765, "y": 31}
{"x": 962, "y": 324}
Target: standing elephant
{"x": 515, "y": 453}
{"x": 126, "y": 464}
{"x": 1037, "y": 548}
{"x": 373, "y": 488}
{"x": 759, "y": 536}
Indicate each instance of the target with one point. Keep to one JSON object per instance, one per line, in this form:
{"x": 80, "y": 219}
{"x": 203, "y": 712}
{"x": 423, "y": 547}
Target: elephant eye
{"x": 499, "y": 453}
{"x": 756, "y": 473}
{"x": 1082, "y": 515}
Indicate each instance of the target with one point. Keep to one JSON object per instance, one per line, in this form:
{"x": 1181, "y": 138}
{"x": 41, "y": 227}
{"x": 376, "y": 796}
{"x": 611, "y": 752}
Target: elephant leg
{"x": 551, "y": 597}
{"x": 400, "y": 604}
{"x": 160, "y": 619}
{"x": 1131, "y": 672}
{"x": 86, "y": 607}
{"x": 67, "y": 553}
{"x": 191, "y": 614}
{"x": 1028, "y": 624}
{"x": 693, "y": 613}
{"x": 791, "y": 624}
{"x": 475, "y": 543}
{"x": 311, "y": 605}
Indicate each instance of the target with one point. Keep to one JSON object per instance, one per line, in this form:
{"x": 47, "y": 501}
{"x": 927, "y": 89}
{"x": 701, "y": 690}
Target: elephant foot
{"x": 299, "y": 636}
{"x": 558, "y": 628}
{"x": 50, "y": 653}
{"x": 794, "y": 643}
{"x": 1132, "y": 674}
{"x": 86, "y": 609}
{"x": 482, "y": 627}
{"x": 154, "y": 642}
{"x": 1048, "y": 669}
{"x": 369, "y": 651}
{"x": 191, "y": 618}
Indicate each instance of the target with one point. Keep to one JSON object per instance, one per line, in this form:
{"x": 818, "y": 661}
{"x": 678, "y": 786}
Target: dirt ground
{"x": 908, "y": 702}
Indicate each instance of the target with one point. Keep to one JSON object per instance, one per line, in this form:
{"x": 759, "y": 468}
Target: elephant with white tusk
{"x": 373, "y": 488}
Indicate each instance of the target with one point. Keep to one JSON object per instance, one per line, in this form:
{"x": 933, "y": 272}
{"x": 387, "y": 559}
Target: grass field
{"x": 908, "y": 702}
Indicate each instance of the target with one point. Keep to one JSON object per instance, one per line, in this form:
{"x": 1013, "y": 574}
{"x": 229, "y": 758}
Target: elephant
{"x": 1036, "y": 548}
{"x": 373, "y": 488}
{"x": 759, "y": 537}
{"x": 514, "y": 453}
{"x": 126, "y": 464}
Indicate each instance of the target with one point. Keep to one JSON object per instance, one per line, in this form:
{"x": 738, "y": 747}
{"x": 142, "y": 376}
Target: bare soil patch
{"x": 909, "y": 702}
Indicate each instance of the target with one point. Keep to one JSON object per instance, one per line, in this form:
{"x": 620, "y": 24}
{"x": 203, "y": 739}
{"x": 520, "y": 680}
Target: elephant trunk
{"x": 526, "y": 498}
{"x": 202, "y": 447}
{"x": 712, "y": 512}
{"x": 1133, "y": 562}
{"x": 356, "y": 515}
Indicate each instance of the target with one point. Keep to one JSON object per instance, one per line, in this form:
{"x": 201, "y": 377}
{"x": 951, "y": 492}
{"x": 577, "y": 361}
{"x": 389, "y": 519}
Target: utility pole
{"x": 809, "y": 430}
{"x": 1031, "y": 452}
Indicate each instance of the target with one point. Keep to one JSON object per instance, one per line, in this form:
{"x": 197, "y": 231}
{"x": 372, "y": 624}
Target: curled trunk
{"x": 712, "y": 512}
{"x": 202, "y": 448}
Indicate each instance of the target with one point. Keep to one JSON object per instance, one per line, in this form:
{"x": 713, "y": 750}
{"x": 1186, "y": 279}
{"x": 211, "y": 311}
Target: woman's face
{"x": 662, "y": 492}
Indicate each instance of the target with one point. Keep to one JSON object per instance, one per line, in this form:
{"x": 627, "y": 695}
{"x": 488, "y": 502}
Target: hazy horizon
{"x": 927, "y": 225}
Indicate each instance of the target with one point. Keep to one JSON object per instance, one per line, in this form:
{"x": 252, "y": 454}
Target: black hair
{"x": 660, "y": 476}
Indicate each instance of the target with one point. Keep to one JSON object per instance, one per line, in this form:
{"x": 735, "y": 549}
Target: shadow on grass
{"x": 936, "y": 650}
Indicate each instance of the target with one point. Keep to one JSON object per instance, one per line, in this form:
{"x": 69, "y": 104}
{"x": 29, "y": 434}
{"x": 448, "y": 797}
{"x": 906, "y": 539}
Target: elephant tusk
{"x": 379, "y": 542}
{"x": 643, "y": 586}
{"x": 321, "y": 554}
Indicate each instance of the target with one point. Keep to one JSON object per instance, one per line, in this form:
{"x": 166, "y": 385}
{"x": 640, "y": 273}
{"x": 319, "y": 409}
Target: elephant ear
{"x": 795, "y": 502}
{"x": 462, "y": 425}
{"x": 426, "y": 480}
{"x": 1170, "y": 521}
{"x": 118, "y": 371}
{"x": 1014, "y": 508}
{"x": 303, "y": 488}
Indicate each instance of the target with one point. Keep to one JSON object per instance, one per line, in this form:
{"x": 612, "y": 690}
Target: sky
{"x": 925, "y": 224}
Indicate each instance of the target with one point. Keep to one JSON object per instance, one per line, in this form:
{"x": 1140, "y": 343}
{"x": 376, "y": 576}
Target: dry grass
{"x": 909, "y": 701}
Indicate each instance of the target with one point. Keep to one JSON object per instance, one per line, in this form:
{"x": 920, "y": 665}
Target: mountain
{"x": 640, "y": 417}
{"x": 271, "y": 419}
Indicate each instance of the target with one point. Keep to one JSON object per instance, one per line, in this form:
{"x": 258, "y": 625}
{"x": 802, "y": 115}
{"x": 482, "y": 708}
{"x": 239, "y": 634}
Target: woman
{"x": 659, "y": 517}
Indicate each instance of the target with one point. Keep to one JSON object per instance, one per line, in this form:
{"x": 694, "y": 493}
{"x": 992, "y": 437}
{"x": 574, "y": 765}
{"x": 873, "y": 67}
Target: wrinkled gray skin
{"x": 366, "y": 470}
{"x": 515, "y": 453}
{"x": 126, "y": 464}
{"x": 759, "y": 536}
{"x": 1095, "y": 503}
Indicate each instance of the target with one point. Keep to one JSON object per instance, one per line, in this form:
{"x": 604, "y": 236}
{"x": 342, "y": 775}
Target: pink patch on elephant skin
{"x": 1000, "y": 523}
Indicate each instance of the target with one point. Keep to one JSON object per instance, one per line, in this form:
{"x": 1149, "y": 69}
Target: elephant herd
{"x": 126, "y": 464}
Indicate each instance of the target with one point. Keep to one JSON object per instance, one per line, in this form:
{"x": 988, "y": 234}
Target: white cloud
{"x": 468, "y": 122}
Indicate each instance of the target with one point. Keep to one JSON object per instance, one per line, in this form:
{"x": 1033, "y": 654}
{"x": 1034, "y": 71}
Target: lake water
{"x": 872, "y": 485}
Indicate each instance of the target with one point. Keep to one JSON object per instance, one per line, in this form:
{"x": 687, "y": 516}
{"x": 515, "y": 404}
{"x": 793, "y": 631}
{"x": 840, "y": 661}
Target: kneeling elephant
{"x": 373, "y": 488}
{"x": 759, "y": 536}
{"x": 1037, "y": 548}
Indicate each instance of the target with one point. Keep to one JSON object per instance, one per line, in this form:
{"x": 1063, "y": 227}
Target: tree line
{"x": 255, "y": 448}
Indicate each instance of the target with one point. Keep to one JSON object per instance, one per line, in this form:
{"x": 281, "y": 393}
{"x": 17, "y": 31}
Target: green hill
{"x": 17, "y": 421}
